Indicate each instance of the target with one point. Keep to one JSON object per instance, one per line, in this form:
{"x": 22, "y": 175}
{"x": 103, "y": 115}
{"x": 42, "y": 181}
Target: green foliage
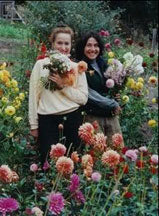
{"x": 82, "y": 16}
{"x": 13, "y": 30}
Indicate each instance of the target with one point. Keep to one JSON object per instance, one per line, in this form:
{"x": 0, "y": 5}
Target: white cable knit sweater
{"x": 43, "y": 101}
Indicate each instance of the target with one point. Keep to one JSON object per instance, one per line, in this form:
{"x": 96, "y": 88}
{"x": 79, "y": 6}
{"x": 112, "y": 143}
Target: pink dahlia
{"x": 56, "y": 203}
{"x": 65, "y": 165}
{"x": 5, "y": 174}
{"x": 86, "y": 132}
{"x": 131, "y": 155}
{"x": 75, "y": 181}
{"x": 117, "y": 42}
{"x": 79, "y": 197}
{"x": 75, "y": 157}
{"x": 108, "y": 46}
{"x": 57, "y": 151}
{"x": 154, "y": 159}
{"x": 34, "y": 167}
{"x": 46, "y": 165}
{"x": 100, "y": 142}
{"x": 104, "y": 33}
{"x": 8, "y": 205}
{"x": 111, "y": 158}
{"x": 110, "y": 83}
{"x": 96, "y": 176}
{"x": 117, "y": 140}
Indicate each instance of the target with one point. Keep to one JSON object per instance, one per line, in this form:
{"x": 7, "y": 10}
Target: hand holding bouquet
{"x": 61, "y": 66}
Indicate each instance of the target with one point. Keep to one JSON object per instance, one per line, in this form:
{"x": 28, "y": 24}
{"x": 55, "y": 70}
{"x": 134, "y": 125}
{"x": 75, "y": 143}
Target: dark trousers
{"x": 49, "y": 132}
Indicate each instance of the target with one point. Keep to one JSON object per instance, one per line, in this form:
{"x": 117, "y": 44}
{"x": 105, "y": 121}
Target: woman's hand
{"x": 117, "y": 110}
{"x": 117, "y": 97}
{"x": 34, "y": 133}
{"x": 58, "y": 80}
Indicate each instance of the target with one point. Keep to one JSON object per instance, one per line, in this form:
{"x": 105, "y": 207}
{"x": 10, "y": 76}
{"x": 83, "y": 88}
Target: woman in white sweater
{"x": 47, "y": 109}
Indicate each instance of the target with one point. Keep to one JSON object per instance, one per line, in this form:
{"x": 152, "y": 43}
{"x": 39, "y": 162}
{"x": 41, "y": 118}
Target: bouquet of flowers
{"x": 60, "y": 64}
{"x": 117, "y": 73}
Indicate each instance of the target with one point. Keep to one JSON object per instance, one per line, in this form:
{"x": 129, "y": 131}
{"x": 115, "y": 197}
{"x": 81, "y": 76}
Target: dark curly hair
{"x": 81, "y": 43}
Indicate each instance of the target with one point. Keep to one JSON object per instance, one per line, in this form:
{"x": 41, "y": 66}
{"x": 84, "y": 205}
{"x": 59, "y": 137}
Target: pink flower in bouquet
{"x": 8, "y": 205}
{"x": 111, "y": 158}
{"x": 96, "y": 176}
{"x": 100, "y": 142}
{"x": 34, "y": 167}
{"x": 154, "y": 159}
{"x": 65, "y": 165}
{"x": 104, "y": 33}
{"x": 117, "y": 42}
{"x": 57, "y": 151}
{"x": 86, "y": 132}
{"x": 131, "y": 155}
{"x": 95, "y": 125}
{"x": 5, "y": 174}
{"x": 56, "y": 203}
{"x": 117, "y": 140}
{"x": 87, "y": 160}
{"x": 110, "y": 83}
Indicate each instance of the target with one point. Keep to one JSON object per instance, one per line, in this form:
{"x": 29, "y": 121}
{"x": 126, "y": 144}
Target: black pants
{"x": 49, "y": 133}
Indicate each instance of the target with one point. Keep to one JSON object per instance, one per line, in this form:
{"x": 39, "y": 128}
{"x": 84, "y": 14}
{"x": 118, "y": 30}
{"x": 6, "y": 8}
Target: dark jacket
{"x": 99, "y": 103}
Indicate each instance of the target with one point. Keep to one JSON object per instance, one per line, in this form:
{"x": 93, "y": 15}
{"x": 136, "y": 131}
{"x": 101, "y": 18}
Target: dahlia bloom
{"x": 46, "y": 165}
{"x": 111, "y": 158}
{"x": 82, "y": 66}
{"x": 5, "y": 174}
{"x": 108, "y": 46}
{"x": 10, "y": 110}
{"x": 117, "y": 140}
{"x": 154, "y": 159}
{"x": 87, "y": 160}
{"x": 117, "y": 42}
{"x": 8, "y": 205}
{"x": 104, "y": 33}
{"x": 34, "y": 167}
{"x": 75, "y": 181}
{"x": 56, "y": 203}
{"x": 75, "y": 157}
{"x": 88, "y": 172}
{"x": 152, "y": 123}
{"x": 37, "y": 212}
{"x": 86, "y": 132}
{"x": 57, "y": 151}
{"x": 100, "y": 142}
{"x": 152, "y": 80}
{"x": 79, "y": 197}
{"x": 64, "y": 165}
{"x": 125, "y": 99}
{"x": 110, "y": 83}
{"x": 131, "y": 155}
{"x": 143, "y": 149}
{"x": 96, "y": 176}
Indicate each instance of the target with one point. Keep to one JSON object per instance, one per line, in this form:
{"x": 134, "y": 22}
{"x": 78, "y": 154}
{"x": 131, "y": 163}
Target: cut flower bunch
{"x": 61, "y": 64}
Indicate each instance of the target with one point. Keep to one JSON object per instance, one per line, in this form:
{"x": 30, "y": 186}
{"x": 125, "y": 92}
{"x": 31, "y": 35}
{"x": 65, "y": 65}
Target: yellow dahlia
{"x": 154, "y": 100}
{"x": 125, "y": 99}
{"x": 21, "y": 96}
{"x": 111, "y": 54}
{"x": 140, "y": 79}
{"x": 17, "y": 119}
{"x": 139, "y": 85}
{"x": 14, "y": 83}
{"x": 10, "y": 110}
{"x": 152, "y": 123}
{"x": 110, "y": 60}
{"x": 4, "y": 100}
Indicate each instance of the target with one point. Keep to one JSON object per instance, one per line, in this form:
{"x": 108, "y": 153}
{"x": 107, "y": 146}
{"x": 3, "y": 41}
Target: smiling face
{"x": 91, "y": 50}
{"x": 62, "y": 43}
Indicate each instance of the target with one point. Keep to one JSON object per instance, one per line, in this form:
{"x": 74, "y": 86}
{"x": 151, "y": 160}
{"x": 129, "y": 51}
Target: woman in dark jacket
{"x": 100, "y": 106}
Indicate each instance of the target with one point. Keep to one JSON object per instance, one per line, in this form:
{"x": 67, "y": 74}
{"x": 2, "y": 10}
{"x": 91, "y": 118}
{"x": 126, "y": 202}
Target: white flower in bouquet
{"x": 133, "y": 63}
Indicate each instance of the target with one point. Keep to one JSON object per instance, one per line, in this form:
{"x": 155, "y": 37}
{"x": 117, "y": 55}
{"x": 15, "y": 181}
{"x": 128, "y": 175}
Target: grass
{"x": 13, "y": 30}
